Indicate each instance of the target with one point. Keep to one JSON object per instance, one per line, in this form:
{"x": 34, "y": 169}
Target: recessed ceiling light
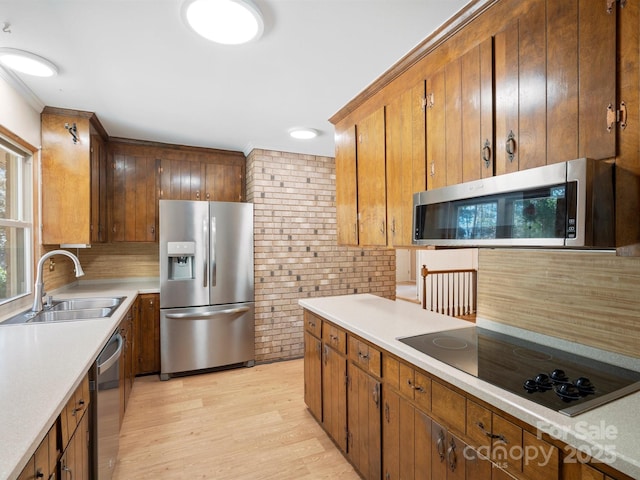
{"x": 230, "y": 22}
{"x": 303, "y": 133}
{"x": 27, "y": 62}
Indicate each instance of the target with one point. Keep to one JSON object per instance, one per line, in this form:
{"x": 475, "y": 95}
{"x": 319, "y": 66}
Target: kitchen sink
{"x": 87, "y": 303}
{"x": 67, "y": 310}
{"x": 67, "y": 315}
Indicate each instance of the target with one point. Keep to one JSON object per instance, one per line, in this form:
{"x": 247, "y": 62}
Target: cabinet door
{"x": 313, "y": 375}
{"x": 422, "y": 446}
{"x": 506, "y": 99}
{"x": 74, "y": 463}
{"x": 223, "y": 182}
{"x": 346, "y": 187}
{"x": 436, "y": 143}
{"x": 477, "y": 112}
{"x": 405, "y": 158}
{"x": 391, "y": 435}
{"x": 364, "y": 447}
{"x": 134, "y": 202}
{"x": 66, "y": 180}
{"x": 597, "y": 78}
{"x": 147, "y": 334}
{"x": 562, "y": 81}
{"x": 371, "y": 174}
{"x": 438, "y": 451}
{"x": 334, "y": 396}
{"x": 398, "y": 171}
{"x": 180, "y": 180}
{"x": 531, "y": 75}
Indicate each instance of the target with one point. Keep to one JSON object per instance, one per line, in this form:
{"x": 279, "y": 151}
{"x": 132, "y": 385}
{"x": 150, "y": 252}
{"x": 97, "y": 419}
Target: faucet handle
{"x": 49, "y": 301}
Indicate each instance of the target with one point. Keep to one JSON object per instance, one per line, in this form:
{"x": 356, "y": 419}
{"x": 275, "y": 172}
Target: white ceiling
{"x": 147, "y": 76}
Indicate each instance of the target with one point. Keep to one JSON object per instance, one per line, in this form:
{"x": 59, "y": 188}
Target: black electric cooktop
{"x": 568, "y": 383}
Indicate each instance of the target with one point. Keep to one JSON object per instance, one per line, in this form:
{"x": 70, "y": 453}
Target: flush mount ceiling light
{"x": 27, "y": 62}
{"x": 230, "y": 22}
{"x": 303, "y": 133}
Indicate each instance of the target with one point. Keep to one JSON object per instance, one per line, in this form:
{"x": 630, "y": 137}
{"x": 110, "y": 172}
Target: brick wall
{"x": 296, "y": 255}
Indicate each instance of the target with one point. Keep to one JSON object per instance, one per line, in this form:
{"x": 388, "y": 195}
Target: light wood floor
{"x": 247, "y": 423}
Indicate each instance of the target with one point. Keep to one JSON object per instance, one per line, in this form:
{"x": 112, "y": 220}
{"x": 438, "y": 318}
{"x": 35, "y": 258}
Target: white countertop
{"x": 42, "y": 364}
{"x": 610, "y": 432}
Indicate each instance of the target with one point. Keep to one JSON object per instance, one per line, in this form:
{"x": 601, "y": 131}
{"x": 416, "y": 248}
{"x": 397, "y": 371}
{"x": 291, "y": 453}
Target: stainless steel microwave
{"x": 569, "y": 204}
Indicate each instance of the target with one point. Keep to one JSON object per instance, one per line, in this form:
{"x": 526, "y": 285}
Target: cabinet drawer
{"x": 334, "y": 336}
{"x": 479, "y": 426}
{"x": 313, "y": 324}
{"x": 448, "y": 406}
{"x": 365, "y": 356}
{"x": 74, "y": 410}
{"x": 390, "y": 371}
{"x": 506, "y": 444}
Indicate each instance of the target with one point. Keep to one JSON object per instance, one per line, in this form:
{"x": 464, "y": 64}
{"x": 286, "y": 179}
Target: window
{"x": 16, "y": 227}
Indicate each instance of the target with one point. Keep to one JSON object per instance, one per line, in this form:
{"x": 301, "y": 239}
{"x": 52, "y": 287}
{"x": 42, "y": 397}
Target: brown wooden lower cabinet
{"x": 147, "y": 334}
{"x": 403, "y": 423}
{"x": 363, "y": 422}
{"x": 313, "y": 374}
{"x": 75, "y": 460}
{"x": 334, "y": 395}
{"x": 406, "y": 436}
{"x": 127, "y": 360}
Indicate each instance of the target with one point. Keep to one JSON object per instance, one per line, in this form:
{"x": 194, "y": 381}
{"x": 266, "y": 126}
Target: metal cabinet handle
{"x": 486, "y": 153}
{"x": 376, "y": 395}
{"x": 411, "y": 386}
{"x": 480, "y": 425}
{"x": 68, "y": 471}
{"x": 452, "y": 459}
{"x": 440, "y": 444}
{"x": 363, "y": 356}
{"x": 510, "y": 146}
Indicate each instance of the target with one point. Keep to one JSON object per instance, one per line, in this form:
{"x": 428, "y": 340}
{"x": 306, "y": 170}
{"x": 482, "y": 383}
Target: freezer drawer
{"x": 198, "y": 338}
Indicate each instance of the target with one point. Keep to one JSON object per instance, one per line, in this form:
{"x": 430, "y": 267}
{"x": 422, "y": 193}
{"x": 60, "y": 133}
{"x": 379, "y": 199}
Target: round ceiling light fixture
{"x": 303, "y": 133}
{"x": 230, "y": 22}
{"x": 27, "y": 62}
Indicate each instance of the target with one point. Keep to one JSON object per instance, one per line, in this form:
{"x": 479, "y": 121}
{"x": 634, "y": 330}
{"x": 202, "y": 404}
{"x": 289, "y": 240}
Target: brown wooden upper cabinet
{"x": 555, "y": 76}
{"x": 405, "y": 160}
{"x": 215, "y": 176}
{"x": 133, "y": 195}
{"x": 74, "y": 189}
{"x": 346, "y": 186}
{"x": 371, "y": 174}
{"x": 525, "y": 84}
{"x": 142, "y": 173}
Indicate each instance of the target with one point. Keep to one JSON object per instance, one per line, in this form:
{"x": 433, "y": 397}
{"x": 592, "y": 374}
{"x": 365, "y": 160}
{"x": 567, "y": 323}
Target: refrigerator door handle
{"x": 206, "y": 254}
{"x": 229, "y": 311}
{"x": 213, "y": 251}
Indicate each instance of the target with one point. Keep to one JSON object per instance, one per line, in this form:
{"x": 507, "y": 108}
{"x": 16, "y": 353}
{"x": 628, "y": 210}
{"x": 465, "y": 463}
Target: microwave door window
{"x": 476, "y": 221}
{"x": 540, "y": 215}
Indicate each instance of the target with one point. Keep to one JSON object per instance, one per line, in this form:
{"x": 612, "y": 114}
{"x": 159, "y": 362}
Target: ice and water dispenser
{"x": 181, "y": 258}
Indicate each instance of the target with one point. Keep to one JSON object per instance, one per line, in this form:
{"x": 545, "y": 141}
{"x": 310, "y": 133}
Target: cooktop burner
{"x": 570, "y": 384}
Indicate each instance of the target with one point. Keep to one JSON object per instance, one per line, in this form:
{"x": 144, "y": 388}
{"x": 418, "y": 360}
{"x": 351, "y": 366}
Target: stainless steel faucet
{"x": 39, "y": 287}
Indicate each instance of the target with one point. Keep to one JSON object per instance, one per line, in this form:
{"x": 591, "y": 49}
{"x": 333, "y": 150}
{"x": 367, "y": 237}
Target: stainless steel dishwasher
{"x": 106, "y": 408}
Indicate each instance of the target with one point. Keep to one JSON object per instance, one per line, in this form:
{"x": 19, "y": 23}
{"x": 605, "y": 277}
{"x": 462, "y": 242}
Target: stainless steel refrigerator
{"x": 206, "y": 286}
